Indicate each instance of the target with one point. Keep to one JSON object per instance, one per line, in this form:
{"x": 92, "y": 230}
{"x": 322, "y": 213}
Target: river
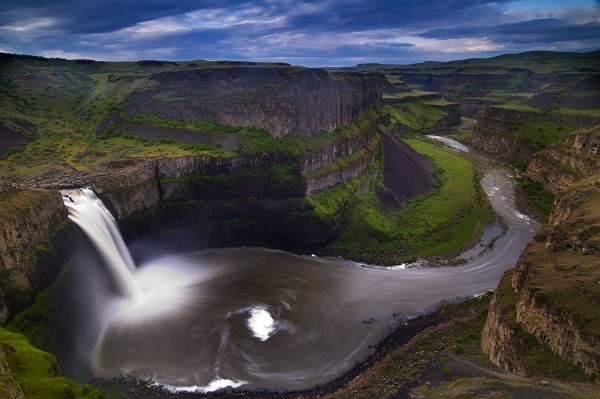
{"x": 259, "y": 318}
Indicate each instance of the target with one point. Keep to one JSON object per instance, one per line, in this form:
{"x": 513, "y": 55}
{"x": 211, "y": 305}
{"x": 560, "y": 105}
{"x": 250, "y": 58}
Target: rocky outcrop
{"x": 406, "y": 173}
{"x": 497, "y": 132}
{"x": 343, "y": 169}
{"x": 282, "y": 100}
{"x": 553, "y": 314}
{"x": 572, "y": 224}
{"x": 29, "y": 220}
{"x": 451, "y": 119}
{"x": 474, "y": 107}
{"x": 113, "y": 123}
{"x": 501, "y": 145}
{"x": 9, "y": 387}
{"x": 501, "y": 337}
{"x": 567, "y": 161}
{"x": 555, "y": 283}
{"x": 506, "y": 114}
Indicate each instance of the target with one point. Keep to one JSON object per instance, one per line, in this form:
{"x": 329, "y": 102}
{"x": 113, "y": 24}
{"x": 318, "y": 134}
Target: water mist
{"x": 267, "y": 319}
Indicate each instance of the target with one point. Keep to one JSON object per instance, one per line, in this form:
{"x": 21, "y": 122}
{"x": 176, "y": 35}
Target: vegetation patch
{"x": 418, "y": 116}
{"x": 37, "y": 374}
{"x": 36, "y": 322}
{"x": 406, "y": 365}
{"x": 594, "y": 112}
{"x": 328, "y": 204}
{"x": 338, "y": 163}
{"x": 462, "y": 137}
{"x": 540, "y": 134}
{"x": 537, "y": 357}
{"x": 441, "y": 222}
{"x": 536, "y": 197}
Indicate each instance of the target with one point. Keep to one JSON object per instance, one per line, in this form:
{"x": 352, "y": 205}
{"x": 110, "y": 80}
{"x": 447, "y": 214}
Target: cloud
{"x": 532, "y": 31}
{"x": 310, "y": 32}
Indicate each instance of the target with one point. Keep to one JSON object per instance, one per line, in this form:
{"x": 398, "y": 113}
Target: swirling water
{"x": 260, "y": 318}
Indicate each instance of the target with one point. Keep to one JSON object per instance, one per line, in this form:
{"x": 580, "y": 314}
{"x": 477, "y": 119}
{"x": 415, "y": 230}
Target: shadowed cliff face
{"x": 553, "y": 293}
{"x": 406, "y": 174}
{"x": 567, "y": 161}
{"x": 515, "y": 135}
{"x": 282, "y": 100}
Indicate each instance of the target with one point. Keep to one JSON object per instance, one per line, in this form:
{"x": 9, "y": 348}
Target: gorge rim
{"x": 234, "y": 317}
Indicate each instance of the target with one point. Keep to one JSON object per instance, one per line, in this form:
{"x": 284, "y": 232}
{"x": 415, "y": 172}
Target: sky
{"x": 306, "y": 32}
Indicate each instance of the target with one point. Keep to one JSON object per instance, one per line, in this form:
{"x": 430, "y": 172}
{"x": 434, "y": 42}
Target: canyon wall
{"x": 502, "y": 131}
{"x": 282, "y": 100}
{"x": 32, "y": 225}
{"x": 552, "y": 296}
{"x": 567, "y": 161}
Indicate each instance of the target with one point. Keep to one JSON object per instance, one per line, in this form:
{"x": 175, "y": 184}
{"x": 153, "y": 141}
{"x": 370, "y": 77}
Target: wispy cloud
{"x": 309, "y": 32}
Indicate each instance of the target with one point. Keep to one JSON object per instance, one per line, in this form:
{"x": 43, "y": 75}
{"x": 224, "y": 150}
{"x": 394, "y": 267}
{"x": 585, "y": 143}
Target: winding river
{"x": 259, "y": 318}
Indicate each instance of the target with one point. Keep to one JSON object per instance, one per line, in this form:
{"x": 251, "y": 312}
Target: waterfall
{"x": 89, "y": 213}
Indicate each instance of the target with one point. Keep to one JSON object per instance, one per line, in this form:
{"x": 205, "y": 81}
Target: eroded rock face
{"x": 567, "y": 161}
{"x": 541, "y": 310}
{"x": 556, "y": 283}
{"x": 9, "y": 387}
{"x": 474, "y": 107}
{"x": 500, "y": 338}
{"x": 502, "y": 146}
{"x": 493, "y": 133}
{"x": 28, "y": 220}
{"x": 282, "y": 100}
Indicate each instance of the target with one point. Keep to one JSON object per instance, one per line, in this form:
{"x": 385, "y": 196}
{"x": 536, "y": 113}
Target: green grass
{"x": 35, "y": 322}
{"x": 36, "y": 372}
{"x": 329, "y": 204}
{"x": 80, "y": 152}
{"x": 537, "y": 356}
{"x": 418, "y": 116}
{"x": 441, "y": 222}
{"x": 536, "y": 196}
{"x": 540, "y": 134}
{"x": 412, "y": 93}
{"x": 594, "y": 112}
{"x": 462, "y": 137}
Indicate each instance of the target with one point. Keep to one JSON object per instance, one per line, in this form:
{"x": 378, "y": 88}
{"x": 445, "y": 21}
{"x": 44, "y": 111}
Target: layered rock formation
{"x": 29, "y": 221}
{"x": 567, "y": 161}
{"x": 500, "y": 132}
{"x": 282, "y": 100}
{"x": 553, "y": 294}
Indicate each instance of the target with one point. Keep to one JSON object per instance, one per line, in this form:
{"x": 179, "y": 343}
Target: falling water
{"x": 267, "y": 319}
{"x": 89, "y": 213}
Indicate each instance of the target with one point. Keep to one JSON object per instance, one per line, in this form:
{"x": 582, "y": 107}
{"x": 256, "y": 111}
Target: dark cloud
{"x": 345, "y": 16}
{"x": 311, "y": 32}
{"x": 534, "y": 31}
{"x": 93, "y": 16}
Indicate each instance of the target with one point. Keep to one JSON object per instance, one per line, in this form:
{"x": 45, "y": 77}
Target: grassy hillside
{"x": 36, "y": 372}
{"x": 536, "y": 61}
{"x": 441, "y": 222}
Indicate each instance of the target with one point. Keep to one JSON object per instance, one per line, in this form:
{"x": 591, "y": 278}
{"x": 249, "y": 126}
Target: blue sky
{"x": 309, "y": 32}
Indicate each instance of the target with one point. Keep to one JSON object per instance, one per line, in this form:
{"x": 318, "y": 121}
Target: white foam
{"x": 521, "y": 216}
{"x": 163, "y": 290}
{"x": 214, "y": 385}
{"x": 261, "y": 323}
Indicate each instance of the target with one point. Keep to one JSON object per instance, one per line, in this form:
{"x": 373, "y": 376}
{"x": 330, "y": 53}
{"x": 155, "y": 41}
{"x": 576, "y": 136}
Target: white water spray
{"x": 89, "y": 213}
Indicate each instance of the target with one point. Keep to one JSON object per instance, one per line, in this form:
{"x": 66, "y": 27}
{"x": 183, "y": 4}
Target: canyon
{"x": 218, "y": 154}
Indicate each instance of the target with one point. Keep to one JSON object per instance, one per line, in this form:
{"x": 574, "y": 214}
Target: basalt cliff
{"x": 220, "y": 154}
{"x": 549, "y": 302}
{"x": 282, "y": 100}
